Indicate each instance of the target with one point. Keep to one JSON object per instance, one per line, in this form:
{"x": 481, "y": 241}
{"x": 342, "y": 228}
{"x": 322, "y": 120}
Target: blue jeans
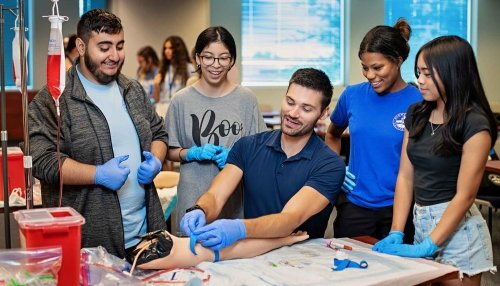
{"x": 468, "y": 248}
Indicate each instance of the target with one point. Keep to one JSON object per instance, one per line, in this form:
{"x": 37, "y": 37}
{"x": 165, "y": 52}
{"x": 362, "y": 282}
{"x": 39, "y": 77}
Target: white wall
{"x": 488, "y": 57}
{"x": 150, "y": 22}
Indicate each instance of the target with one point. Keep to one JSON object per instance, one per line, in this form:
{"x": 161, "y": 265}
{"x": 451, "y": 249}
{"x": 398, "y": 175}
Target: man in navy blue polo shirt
{"x": 291, "y": 178}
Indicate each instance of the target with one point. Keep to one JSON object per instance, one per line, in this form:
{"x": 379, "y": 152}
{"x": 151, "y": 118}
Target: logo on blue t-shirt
{"x": 399, "y": 121}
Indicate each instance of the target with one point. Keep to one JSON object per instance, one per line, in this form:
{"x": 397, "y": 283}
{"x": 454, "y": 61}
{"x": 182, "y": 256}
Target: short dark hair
{"x": 314, "y": 79}
{"x": 392, "y": 42}
{"x": 99, "y": 21}
{"x": 71, "y": 43}
{"x": 148, "y": 53}
{"x": 214, "y": 34}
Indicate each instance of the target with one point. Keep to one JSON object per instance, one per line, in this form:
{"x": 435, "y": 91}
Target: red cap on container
{"x": 41, "y": 218}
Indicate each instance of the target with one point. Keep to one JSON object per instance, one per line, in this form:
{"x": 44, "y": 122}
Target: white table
{"x": 310, "y": 263}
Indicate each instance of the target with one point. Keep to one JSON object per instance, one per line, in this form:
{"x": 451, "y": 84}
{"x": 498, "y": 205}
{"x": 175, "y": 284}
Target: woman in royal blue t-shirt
{"x": 374, "y": 111}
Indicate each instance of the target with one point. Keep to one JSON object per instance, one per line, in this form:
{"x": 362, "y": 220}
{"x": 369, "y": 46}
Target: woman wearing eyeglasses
{"x": 205, "y": 119}
{"x": 175, "y": 69}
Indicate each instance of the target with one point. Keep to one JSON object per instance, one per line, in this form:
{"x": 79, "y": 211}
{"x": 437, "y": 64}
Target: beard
{"x": 93, "y": 67}
{"x": 303, "y": 130}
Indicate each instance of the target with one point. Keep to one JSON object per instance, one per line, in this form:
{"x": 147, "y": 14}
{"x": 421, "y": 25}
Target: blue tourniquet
{"x": 192, "y": 244}
{"x": 341, "y": 264}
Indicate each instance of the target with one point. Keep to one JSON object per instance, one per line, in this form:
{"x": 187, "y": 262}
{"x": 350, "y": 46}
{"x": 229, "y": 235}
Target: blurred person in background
{"x": 147, "y": 70}
{"x": 175, "y": 69}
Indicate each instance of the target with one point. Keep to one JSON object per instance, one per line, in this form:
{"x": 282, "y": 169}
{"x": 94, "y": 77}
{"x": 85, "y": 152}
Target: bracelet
{"x": 195, "y": 207}
{"x": 180, "y": 158}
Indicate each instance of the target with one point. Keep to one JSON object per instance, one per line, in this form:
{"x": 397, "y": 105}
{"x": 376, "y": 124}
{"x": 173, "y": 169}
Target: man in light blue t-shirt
{"x": 112, "y": 143}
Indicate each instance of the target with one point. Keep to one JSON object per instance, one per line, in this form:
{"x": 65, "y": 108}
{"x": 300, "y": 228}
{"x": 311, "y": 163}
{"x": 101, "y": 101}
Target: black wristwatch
{"x": 195, "y": 207}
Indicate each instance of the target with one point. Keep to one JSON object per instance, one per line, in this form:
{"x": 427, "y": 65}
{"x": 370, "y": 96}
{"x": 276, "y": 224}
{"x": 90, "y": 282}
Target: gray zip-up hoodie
{"x": 85, "y": 137}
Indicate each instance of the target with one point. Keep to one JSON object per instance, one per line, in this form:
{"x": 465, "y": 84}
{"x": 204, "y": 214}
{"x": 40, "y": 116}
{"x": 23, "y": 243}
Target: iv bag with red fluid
{"x": 16, "y": 57}
{"x": 56, "y": 72}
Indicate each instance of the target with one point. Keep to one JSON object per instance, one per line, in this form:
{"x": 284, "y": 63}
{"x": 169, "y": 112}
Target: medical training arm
{"x": 333, "y": 137}
{"x": 181, "y": 256}
{"x": 221, "y": 188}
{"x": 403, "y": 196}
{"x": 474, "y": 156}
{"x": 303, "y": 205}
{"x": 252, "y": 247}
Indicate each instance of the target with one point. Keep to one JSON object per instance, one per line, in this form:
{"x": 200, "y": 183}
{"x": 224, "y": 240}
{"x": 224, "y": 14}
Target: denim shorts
{"x": 468, "y": 248}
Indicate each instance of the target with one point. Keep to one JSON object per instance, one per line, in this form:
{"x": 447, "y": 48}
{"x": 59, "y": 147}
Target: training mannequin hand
{"x": 148, "y": 169}
{"x": 349, "y": 181}
{"x": 394, "y": 237}
{"x": 221, "y": 233}
{"x": 192, "y": 220}
{"x": 205, "y": 152}
{"x": 424, "y": 249}
{"x": 221, "y": 156}
{"x": 111, "y": 175}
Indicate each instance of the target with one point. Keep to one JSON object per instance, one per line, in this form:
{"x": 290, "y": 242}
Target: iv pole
{"x": 28, "y": 176}
{"x": 6, "y": 210}
{"x": 3, "y": 133}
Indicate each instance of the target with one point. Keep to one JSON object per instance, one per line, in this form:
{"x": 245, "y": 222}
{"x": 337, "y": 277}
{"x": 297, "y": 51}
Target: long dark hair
{"x": 180, "y": 59}
{"x": 453, "y": 60}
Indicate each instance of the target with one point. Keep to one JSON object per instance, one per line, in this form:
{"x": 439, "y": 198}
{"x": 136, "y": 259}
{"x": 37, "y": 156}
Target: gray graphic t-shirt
{"x": 194, "y": 119}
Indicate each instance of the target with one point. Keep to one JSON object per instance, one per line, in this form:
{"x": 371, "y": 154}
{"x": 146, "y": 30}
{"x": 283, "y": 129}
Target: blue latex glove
{"x": 221, "y": 233}
{"x": 221, "y": 156}
{"x": 111, "y": 175}
{"x": 148, "y": 169}
{"x": 394, "y": 237}
{"x": 349, "y": 181}
{"x": 424, "y": 249}
{"x": 205, "y": 152}
{"x": 192, "y": 220}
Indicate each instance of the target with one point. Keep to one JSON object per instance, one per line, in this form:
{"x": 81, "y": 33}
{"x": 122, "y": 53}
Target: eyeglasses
{"x": 209, "y": 60}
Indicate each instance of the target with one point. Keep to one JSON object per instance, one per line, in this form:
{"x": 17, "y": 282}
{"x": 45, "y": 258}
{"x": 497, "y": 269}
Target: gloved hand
{"x": 221, "y": 233}
{"x": 148, "y": 169}
{"x": 424, "y": 249}
{"x": 111, "y": 175}
{"x": 192, "y": 220}
{"x": 221, "y": 156}
{"x": 394, "y": 237}
{"x": 205, "y": 152}
{"x": 349, "y": 181}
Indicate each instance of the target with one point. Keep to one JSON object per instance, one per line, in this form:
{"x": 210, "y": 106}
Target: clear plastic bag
{"x": 30, "y": 267}
{"x": 99, "y": 268}
{"x": 103, "y": 269}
